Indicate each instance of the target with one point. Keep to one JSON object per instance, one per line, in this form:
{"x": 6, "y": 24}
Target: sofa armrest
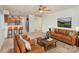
{"x": 73, "y": 38}
{"x": 37, "y": 49}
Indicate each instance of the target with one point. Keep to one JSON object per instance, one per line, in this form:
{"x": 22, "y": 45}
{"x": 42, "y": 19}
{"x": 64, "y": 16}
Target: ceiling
{"x": 28, "y": 9}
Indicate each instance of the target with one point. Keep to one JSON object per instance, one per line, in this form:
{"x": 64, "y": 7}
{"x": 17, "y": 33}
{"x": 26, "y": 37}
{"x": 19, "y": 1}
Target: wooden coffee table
{"x": 48, "y": 44}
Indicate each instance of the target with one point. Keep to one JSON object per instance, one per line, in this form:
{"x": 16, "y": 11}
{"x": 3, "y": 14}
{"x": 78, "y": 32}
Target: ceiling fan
{"x": 42, "y": 9}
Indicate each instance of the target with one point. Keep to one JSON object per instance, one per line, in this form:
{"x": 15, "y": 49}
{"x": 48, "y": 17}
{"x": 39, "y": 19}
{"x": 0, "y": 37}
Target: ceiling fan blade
{"x": 47, "y": 10}
{"x": 41, "y": 10}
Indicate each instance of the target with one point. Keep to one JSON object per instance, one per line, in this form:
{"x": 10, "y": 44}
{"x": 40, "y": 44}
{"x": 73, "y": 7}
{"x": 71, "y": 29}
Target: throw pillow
{"x": 27, "y": 43}
{"x": 71, "y": 33}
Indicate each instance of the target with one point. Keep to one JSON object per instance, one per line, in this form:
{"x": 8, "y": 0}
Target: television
{"x": 64, "y": 22}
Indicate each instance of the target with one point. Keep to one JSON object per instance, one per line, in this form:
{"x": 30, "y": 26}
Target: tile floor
{"x": 7, "y": 46}
{"x": 63, "y": 48}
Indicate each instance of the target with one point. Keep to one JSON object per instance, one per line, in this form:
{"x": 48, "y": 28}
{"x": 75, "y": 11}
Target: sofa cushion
{"x": 56, "y": 30}
{"x": 16, "y": 37}
{"x": 67, "y": 38}
{"x": 17, "y": 48}
{"x": 32, "y": 42}
{"x": 57, "y": 35}
{"x": 26, "y": 37}
{"x": 61, "y": 31}
{"x": 21, "y": 45}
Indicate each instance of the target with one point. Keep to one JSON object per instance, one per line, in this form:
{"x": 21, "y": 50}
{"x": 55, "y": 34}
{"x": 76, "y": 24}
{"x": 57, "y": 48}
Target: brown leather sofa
{"x": 66, "y": 36}
{"x": 19, "y": 46}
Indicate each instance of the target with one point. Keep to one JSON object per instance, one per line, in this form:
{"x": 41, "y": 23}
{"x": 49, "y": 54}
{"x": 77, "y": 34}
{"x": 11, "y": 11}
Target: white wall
{"x": 51, "y": 19}
{"x": 35, "y": 23}
{"x": 32, "y": 23}
{"x": 24, "y": 24}
{"x": 38, "y": 24}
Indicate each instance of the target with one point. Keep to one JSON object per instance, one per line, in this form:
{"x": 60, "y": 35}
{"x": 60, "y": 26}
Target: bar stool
{"x": 10, "y": 32}
{"x": 15, "y": 30}
{"x": 20, "y": 30}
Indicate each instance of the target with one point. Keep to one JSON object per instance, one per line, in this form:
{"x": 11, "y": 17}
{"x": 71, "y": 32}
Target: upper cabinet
{"x": 12, "y": 20}
{"x": 6, "y": 18}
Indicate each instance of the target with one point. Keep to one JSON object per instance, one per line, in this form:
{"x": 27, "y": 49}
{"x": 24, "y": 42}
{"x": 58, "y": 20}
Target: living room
{"x": 33, "y": 22}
